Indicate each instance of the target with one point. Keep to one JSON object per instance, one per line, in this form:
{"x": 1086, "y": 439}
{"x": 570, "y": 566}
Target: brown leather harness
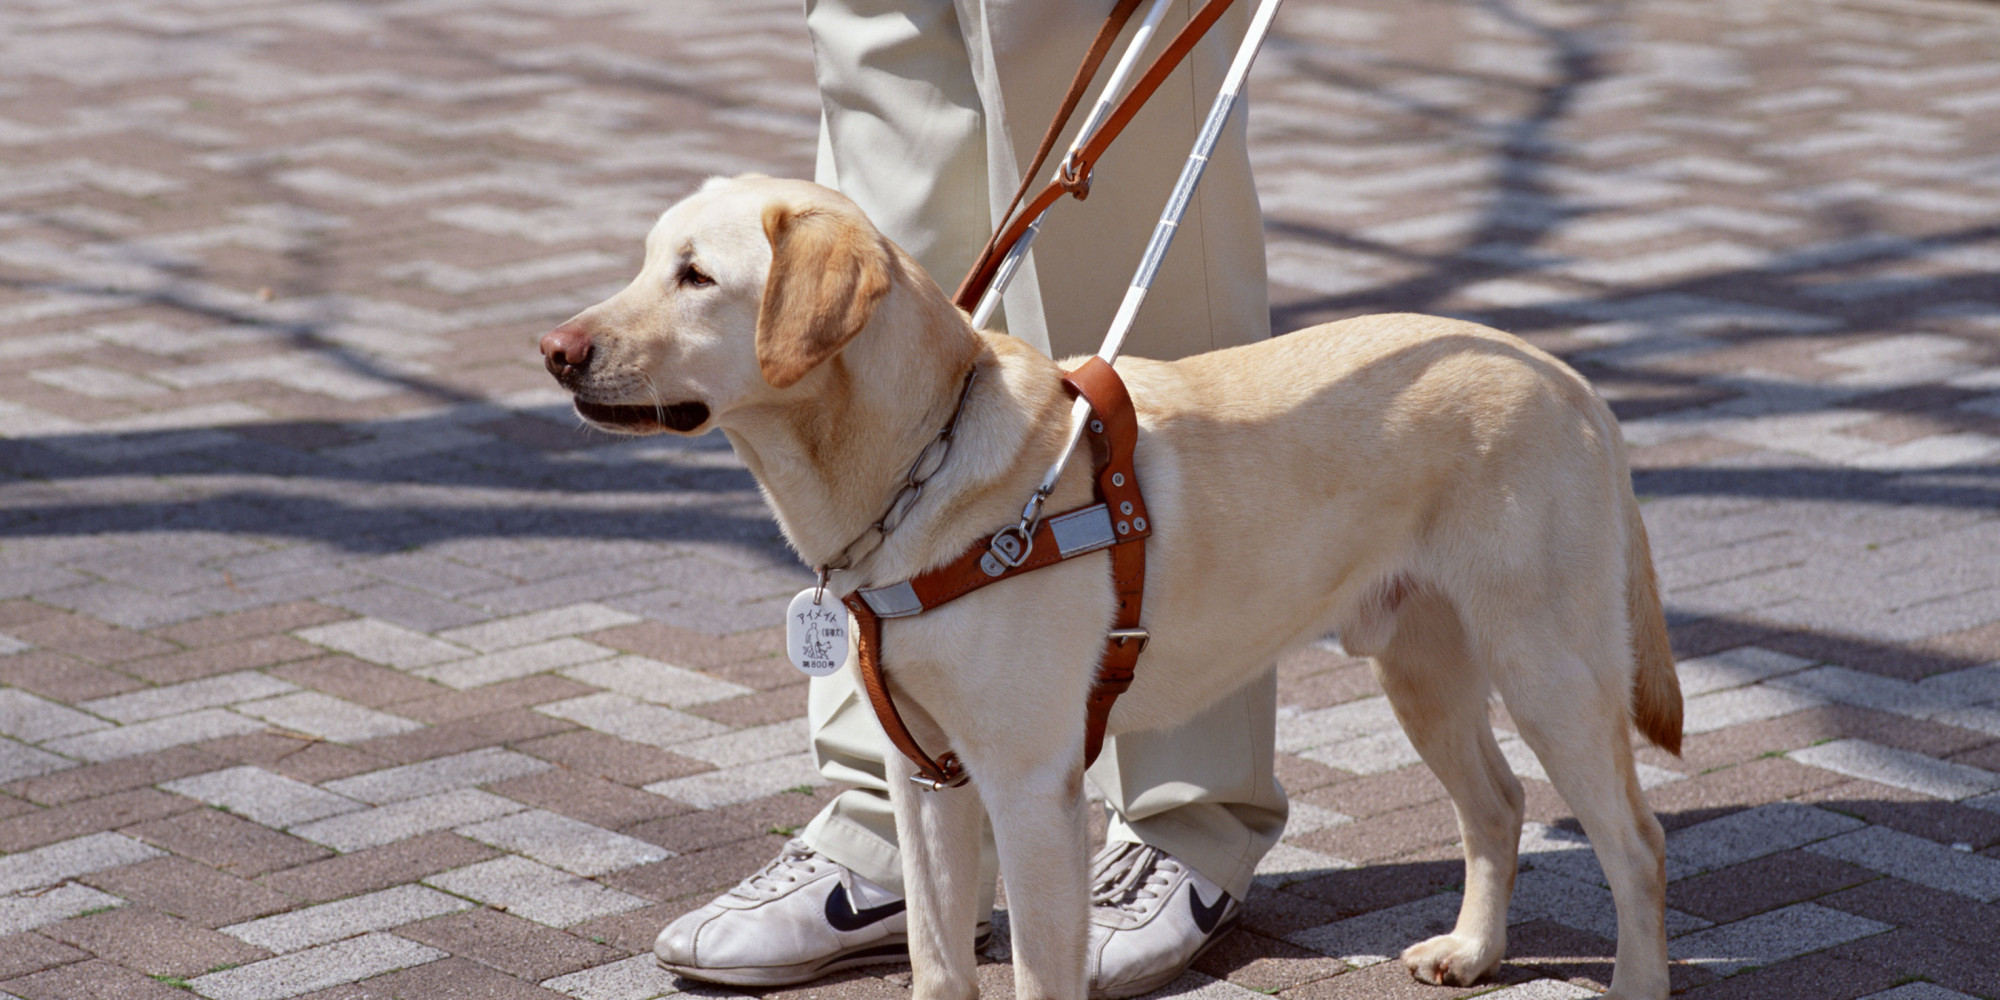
{"x": 1117, "y": 521}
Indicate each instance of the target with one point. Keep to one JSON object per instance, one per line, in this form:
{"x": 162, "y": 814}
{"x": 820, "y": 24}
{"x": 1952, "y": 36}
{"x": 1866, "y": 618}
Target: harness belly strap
{"x": 1118, "y": 521}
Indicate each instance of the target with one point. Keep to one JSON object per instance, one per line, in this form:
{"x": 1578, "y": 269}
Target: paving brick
{"x": 466, "y": 734}
{"x": 586, "y": 797}
{"x": 62, "y": 678}
{"x": 327, "y": 922}
{"x": 696, "y": 650}
{"x": 244, "y": 654}
{"x": 456, "y": 979}
{"x": 193, "y": 891}
{"x": 377, "y": 868}
{"x": 441, "y": 774}
{"x": 520, "y": 630}
{"x": 525, "y": 692}
{"x": 31, "y": 910}
{"x": 618, "y": 759}
{"x": 89, "y": 639}
{"x": 77, "y": 819}
{"x": 759, "y": 709}
{"x": 1764, "y": 883}
{"x": 18, "y": 760}
{"x": 262, "y": 796}
{"x": 534, "y": 891}
{"x": 1913, "y": 953}
{"x": 742, "y": 783}
{"x": 153, "y": 942}
{"x": 513, "y": 662}
{"x": 328, "y": 965}
{"x": 227, "y": 843}
{"x": 116, "y": 776}
{"x": 654, "y": 681}
{"x": 328, "y": 717}
{"x": 569, "y": 844}
{"x": 1910, "y": 812}
{"x": 1916, "y": 860}
{"x": 154, "y": 736}
{"x": 1902, "y": 769}
{"x": 387, "y": 824}
{"x": 637, "y": 978}
{"x": 1771, "y": 937}
{"x": 30, "y": 719}
{"x": 381, "y": 642}
{"x": 1753, "y": 833}
{"x": 1906, "y": 904}
{"x": 94, "y": 978}
{"x": 213, "y": 692}
{"x": 21, "y": 954}
{"x": 270, "y": 620}
{"x": 517, "y": 947}
{"x": 1382, "y": 935}
{"x": 631, "y": 719}
{"x": 353, "y": 680}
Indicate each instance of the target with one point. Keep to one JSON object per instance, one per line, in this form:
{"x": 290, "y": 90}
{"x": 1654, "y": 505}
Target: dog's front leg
{"x": 939, "y": 834}
{"x": 1038, "y": 824}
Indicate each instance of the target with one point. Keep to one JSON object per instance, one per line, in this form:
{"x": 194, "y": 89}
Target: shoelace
{"x": 1134, "y": 878}
{"x": 795, "y": 860}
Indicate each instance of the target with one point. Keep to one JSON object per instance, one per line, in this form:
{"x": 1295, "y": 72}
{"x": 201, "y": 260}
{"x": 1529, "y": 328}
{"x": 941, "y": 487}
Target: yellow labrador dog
{"x": 1453, "y": 501}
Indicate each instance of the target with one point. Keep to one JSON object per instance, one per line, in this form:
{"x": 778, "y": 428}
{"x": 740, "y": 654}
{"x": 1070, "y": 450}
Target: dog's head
{"x": 749, "y": 285}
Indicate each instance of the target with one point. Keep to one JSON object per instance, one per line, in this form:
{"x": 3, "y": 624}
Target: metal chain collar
{"x": 929, "y": 462}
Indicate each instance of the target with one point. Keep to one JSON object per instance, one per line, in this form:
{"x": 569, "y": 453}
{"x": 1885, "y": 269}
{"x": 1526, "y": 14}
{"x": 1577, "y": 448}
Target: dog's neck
{"x": 832, "y": 456}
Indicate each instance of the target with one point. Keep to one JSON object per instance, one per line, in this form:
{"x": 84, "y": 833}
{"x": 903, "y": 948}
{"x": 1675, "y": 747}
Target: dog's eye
{"x": 692, "y": 276}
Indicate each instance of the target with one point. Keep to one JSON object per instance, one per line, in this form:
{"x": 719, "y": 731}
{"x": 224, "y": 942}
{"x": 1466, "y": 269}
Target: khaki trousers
{"x": 930, "y": 110}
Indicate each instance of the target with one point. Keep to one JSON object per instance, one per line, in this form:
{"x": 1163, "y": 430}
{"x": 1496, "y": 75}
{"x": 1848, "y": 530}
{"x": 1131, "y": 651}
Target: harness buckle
{"x": 1121, "y": 636}
{"x": 1011, "y": 546}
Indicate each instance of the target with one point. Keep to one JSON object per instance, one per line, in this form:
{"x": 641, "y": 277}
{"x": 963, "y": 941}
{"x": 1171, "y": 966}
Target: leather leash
{"x": 1074, "y": 175}
{"x": 1117, "y": 520}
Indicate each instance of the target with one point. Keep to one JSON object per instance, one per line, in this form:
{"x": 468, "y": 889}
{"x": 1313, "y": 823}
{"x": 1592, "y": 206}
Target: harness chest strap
{"x": 1118, "y": 521}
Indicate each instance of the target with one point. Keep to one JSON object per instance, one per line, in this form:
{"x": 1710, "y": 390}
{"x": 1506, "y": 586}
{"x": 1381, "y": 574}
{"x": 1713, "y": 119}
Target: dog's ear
{"x": 828, "y": 272}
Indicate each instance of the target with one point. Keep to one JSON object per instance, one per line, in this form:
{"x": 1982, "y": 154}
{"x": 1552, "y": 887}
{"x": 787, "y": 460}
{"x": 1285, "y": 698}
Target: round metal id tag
{"x": 816, "y": 633}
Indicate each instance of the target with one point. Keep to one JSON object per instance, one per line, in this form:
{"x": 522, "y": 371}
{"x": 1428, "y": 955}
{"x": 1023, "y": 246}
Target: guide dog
{"x": 1451, "y": 500}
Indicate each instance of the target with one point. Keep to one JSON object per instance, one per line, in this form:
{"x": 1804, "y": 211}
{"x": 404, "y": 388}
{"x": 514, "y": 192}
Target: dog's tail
{"x": 1656, "y": 689}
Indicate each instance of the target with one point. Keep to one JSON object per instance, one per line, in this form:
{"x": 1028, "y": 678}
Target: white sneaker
{"x": 804, "y": 915}
{"x": 1150, "y": 917}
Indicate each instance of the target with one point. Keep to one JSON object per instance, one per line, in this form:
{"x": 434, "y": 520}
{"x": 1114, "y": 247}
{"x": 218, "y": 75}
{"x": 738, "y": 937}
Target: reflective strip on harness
{"x": 896, "y": 601}
{"x": 1081, "y": 531}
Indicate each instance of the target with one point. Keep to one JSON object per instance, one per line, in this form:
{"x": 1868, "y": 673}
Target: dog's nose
{"x": 566, "y": 349}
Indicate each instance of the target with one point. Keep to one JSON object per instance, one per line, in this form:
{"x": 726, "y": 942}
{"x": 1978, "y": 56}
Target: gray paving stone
{"x": 259, "y": 795}
{"x": 748, "y": 746}
{"x": 651, "y": 680}
{"x": 521, "y": 630}
{"x": 641, "y": 978}
{"x": 1721, "y": 709}
{"x": 1925, "y": 862}
{"x": 381, "y": 642}
{"x": 1735, "y": 668}
{"x": 713, "y": 789}
{"x": 1378, "y": 753}
{"x": 328, "y": 717}
{"x": 1753, "y": 833}
{"x": 1769, "y": 938}
{"x": 18, "y": 760}
{"x": 66, "y": 859}
{"x": 396, "y": 821}
{"x": 1854, "y": 687}
{"x": 1544, "y": 895}
{"x": 442, "y": 774}
{"x": 32, "y": 720}
{"x": 345, "y": 918}
{"x": 631, "y": 719}
{"x": 301, "y": 972}
{"x": 1900, "y": 768}
{"x": 1919, "y": 991}
{"x": 519, "y": 661}
{"x": 158, "y": 734}
{"x": 173, "y": 699}
{"x": 27, "y": 911}
{"x": 535, "y": 891}
{"x": 569, "y": 844}
{"x": 10, "y": 645}
{"x": 404, "y": 607}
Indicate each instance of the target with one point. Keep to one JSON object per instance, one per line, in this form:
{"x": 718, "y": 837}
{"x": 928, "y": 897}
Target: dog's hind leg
{"x": 939, "y": 834}
{"x": 1038, "y": 824}
{"x": 1573, "y": 711}
{"x": 1439, "y": 692}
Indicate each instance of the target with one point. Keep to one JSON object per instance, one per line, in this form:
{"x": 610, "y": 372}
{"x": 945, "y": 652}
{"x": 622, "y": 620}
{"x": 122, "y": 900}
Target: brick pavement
{"x": 339, "y": 662}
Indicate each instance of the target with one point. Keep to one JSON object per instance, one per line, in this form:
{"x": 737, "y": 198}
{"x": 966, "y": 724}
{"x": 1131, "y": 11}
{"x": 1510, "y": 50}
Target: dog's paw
{"x": 1450, "y": 960}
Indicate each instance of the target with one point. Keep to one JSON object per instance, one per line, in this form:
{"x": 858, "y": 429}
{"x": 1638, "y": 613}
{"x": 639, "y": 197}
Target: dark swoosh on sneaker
{"x": 840, "y": 911}
{"x": 1206, "y": 916}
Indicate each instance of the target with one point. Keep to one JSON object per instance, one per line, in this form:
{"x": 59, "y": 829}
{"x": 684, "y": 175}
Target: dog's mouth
{"x": 627, "y": 418}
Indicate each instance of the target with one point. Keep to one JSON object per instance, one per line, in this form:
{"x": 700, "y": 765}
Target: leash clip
{"x": 1012, "y": 545}
{"x": 1073, "y": 178}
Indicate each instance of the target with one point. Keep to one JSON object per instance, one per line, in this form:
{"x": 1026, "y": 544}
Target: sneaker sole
{"x": 1145, "y": 986}
{"x": 893, "y": 950}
